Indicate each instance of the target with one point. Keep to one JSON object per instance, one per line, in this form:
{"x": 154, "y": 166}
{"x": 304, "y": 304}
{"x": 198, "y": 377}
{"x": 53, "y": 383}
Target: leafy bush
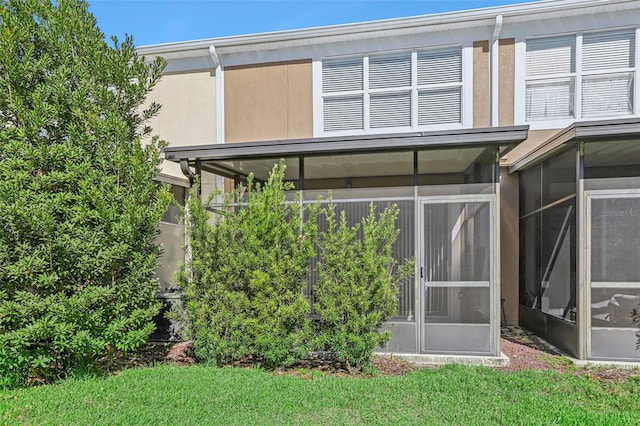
{"x": 244, "y": 287}
{"x": 358, "y": 284}
{"x": 635, "y": 320}
{"x": 79, "y": 210}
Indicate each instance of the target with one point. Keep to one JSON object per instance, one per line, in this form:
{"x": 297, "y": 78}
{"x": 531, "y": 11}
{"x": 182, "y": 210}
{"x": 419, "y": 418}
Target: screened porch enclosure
{"x": 611, "y": 203}
{"x": 579, "y": 233}
{"x": 446, "y": 189}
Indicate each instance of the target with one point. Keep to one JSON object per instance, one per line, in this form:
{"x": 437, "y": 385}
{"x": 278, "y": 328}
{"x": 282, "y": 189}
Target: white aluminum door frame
{"x": 585, "y": 249}
{"x": 494, "y": 290}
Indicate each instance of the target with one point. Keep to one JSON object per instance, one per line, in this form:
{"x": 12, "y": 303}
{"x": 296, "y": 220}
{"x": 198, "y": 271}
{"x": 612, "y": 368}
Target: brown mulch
{"x": 525, "y": 350}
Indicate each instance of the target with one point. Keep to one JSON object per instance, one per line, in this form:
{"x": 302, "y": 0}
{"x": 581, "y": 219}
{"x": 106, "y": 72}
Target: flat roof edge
{"x": 531, "y": 9}
{"x": 587, "y": 131}
{"x": 345, "y": 144}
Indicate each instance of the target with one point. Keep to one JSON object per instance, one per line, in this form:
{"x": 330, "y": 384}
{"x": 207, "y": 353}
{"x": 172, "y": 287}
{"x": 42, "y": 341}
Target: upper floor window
{"x": 580, "y": 76}
{"x": 392, "y": 91}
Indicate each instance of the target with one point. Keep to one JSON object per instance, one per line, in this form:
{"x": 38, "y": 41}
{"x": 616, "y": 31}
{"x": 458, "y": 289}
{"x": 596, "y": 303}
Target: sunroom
{"x": 579, "y": 233}
{"x": 446, "y": 186}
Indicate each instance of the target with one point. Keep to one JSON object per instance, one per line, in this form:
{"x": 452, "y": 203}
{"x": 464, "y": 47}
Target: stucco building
{"x": 508, "y": 136}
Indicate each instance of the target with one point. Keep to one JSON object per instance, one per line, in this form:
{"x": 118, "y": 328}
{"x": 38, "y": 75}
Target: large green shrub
{"x": 79, "y": 211}
{"x": 243, "y": 285}
{"x": 243, "y": 288}
{"x": 358, "y": 284}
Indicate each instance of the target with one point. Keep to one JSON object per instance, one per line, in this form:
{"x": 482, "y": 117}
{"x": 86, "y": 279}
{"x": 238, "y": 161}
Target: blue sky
{"x": 164, "y": 21}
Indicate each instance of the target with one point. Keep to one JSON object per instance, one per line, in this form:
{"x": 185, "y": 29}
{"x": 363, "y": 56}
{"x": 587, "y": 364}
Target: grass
{"x": 206, "y": 395}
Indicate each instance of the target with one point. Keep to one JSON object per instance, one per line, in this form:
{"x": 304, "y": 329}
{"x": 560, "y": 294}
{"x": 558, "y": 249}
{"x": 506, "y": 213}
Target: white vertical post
{"x": 636, "y": 95}
{"x": 220, "y": 139}
{"x": 494, "y": 70}
{"x": 578, "y": 81}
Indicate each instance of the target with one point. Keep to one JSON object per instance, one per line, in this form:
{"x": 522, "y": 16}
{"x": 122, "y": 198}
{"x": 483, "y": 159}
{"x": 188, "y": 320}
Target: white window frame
{"x": 465, "y": 84}
{"x": 522, "y": 80}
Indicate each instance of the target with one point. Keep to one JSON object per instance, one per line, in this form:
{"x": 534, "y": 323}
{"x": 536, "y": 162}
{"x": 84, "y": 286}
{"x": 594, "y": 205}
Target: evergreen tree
{"x": 79, "y": 210}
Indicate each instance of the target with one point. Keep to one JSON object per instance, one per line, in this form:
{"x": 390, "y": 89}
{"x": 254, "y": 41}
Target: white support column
{"x": 318, "y": 104}
{"x": 494, "y": 70}
{"x": 582, "y": 290}
{"x": 496, "y": 288}
{"x": 219, "y": 70}
{"x": 577, "y": 102}
{"x": 520, "y": 85}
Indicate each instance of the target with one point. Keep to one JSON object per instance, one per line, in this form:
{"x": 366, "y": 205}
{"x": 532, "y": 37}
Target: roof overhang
{"x": 586, "y": 131}
{"x": 532, "y": 10}
{"x": 504, "y": 137}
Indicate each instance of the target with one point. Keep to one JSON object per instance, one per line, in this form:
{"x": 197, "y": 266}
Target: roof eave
{"x": 502, "y": 136}
{"x": 483, "y": 16}
{"x": 586, "y": 131}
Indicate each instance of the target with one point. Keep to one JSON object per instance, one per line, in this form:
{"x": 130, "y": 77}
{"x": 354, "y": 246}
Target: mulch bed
{"x": 524, "y": 349}
{"x": 527, "y": 351}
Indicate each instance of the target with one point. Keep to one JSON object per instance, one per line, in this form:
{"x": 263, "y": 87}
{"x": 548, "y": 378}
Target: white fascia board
{"x": 549, "y": 24}
{"x": 391, "y": 27}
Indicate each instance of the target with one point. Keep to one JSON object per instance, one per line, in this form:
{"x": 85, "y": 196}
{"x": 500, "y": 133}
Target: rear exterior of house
{"x": 509, "y": 138}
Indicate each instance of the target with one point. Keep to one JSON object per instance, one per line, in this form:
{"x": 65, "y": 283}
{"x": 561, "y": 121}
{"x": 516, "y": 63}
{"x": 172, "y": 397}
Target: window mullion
{"x": 398, "y": 89}
{"x": 578, "y": 70}
{"x": 439, "y": 86}
{"x": 608, "y": 71}
{"x": 342, "y": 94}
{"x": 366, "y": 97}
{"x": 636, "y": 86}
{"x": 534, "y": 78}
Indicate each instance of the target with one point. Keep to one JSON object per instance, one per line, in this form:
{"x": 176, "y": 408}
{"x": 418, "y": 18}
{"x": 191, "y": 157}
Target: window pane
{"x": 530, "y": 247}
{"x": 390, "y": 109}
{"x": 613, "y": 49}
{"x": 609, "y": 94}
{"x": 612, "y": 307}
{"x": 558, "y": 285}
{"x": 559, "y": 176}
{"x": 531, "y": 189}
{"x": 615, "y": 232}
{"x": 343, "y": 113}
{"x": 341, "y": 75}
{"x": 457, "y": 241}
{"x": 551, "y": 55}
{"x": 439, "y": 106}
{"x": 389, "y": 71}
{"x": 550, "y": 99}
{"x": 461, "y": 305}
{"x": 440, "y": 66}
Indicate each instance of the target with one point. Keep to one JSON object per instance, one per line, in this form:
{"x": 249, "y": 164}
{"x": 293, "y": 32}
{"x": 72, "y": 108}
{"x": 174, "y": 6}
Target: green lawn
{"x": 206, "y": 395}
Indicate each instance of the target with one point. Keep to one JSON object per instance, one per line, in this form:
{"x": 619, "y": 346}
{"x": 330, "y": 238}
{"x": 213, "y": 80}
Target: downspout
{"x": 188, "y": 255}
{"x": 186, "y": 170}
{"x": 494, "y": 69}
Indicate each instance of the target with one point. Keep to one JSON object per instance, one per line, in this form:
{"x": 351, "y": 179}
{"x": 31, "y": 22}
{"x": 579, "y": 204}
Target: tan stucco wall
{"x": 507, "y": 78}
{"x": 509, "y": 244}
{"x": 534, "y": 140}
{"x": 188, "y": 113}
{"x": 481, "y": 84}
{"x": 268, "y": 101}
